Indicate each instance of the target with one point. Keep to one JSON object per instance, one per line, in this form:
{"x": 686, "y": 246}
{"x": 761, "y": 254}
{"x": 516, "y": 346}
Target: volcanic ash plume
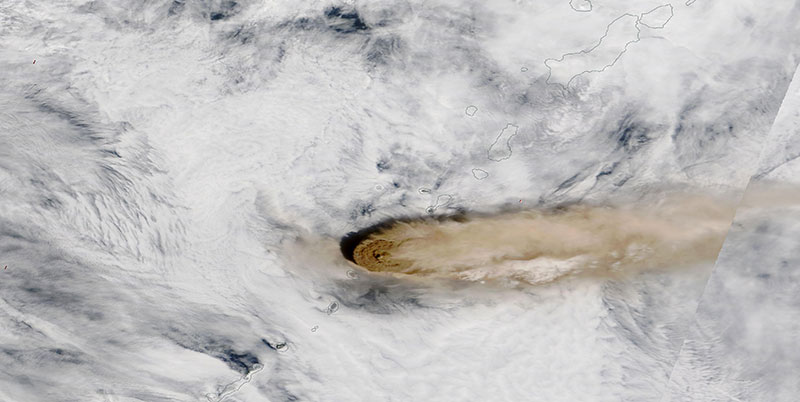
{"x": 541, "y": 246}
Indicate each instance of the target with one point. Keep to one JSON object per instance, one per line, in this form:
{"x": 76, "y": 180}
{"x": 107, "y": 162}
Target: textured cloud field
{"x": 742, "y": 343}
{"x": 175, "y": 178}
